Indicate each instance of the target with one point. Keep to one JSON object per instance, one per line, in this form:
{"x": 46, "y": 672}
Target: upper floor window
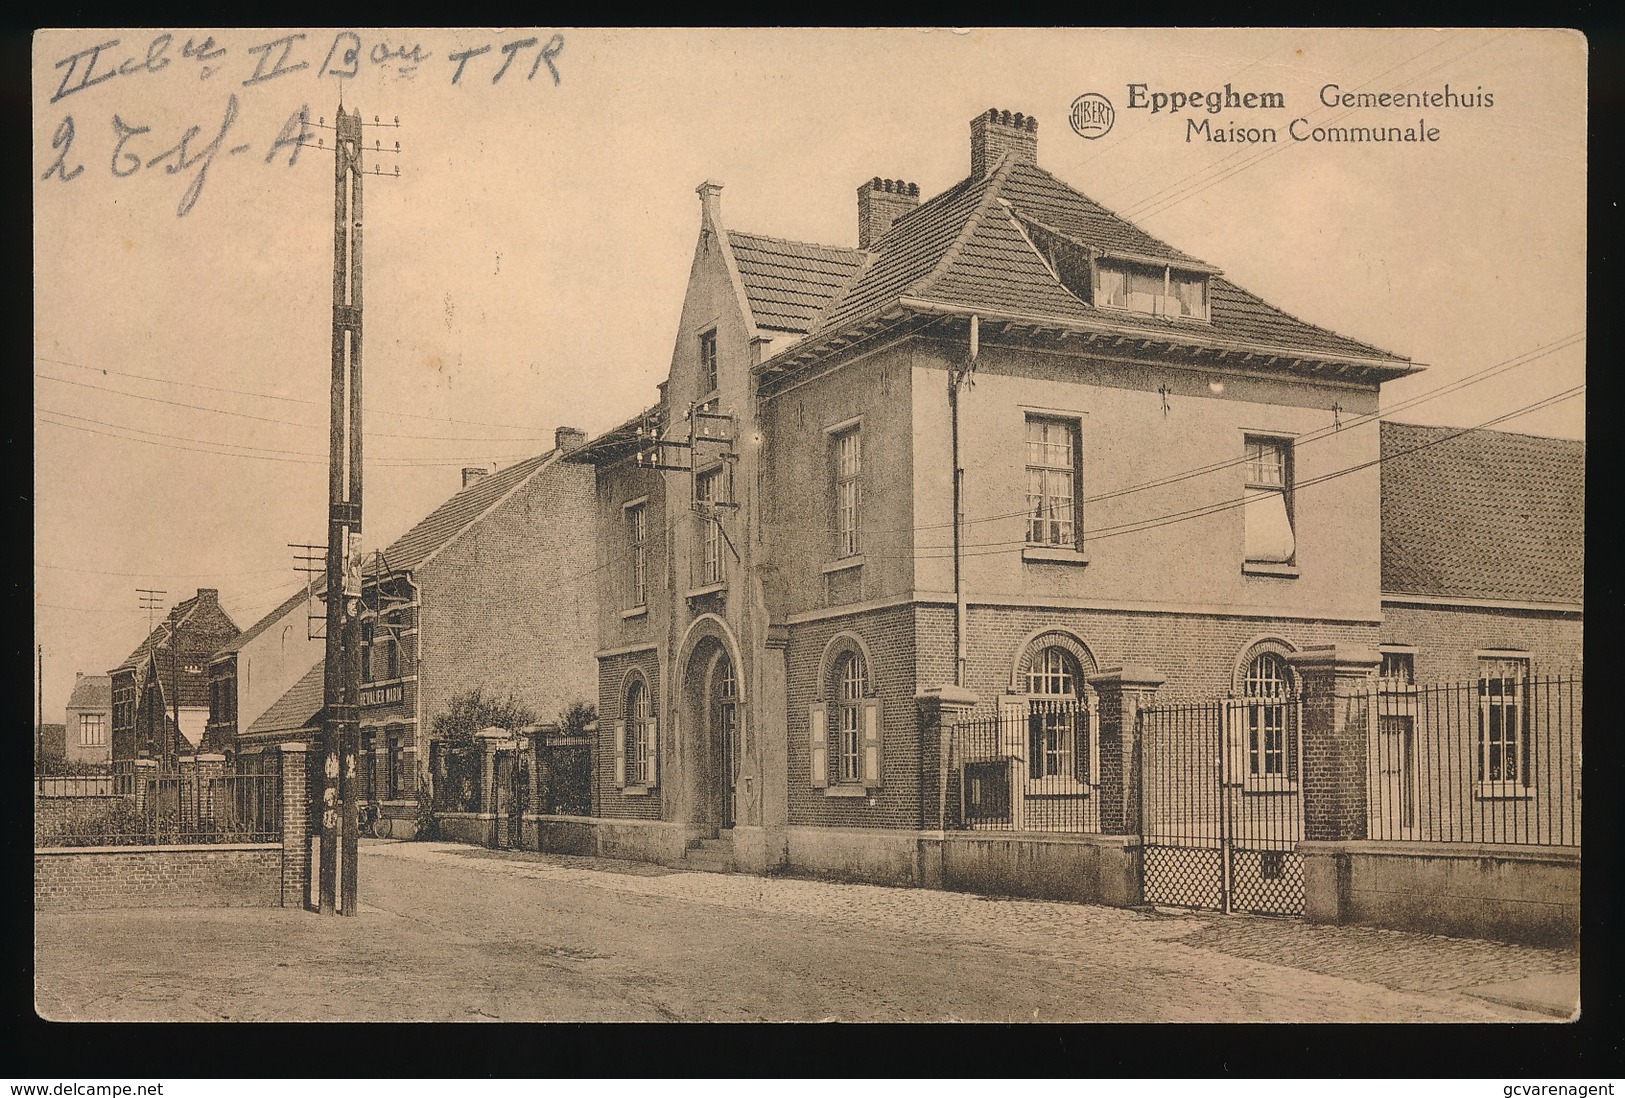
{"x": 637, "y": 538}
{"x": 709, "y": 489}
{"x": 392, "y": 655}
{"x": 1503, "y": 745}
{"x": 848, "y": 491}
{"x": 1148, "y": 288}
{"x": 366, "y": 651}
{"x": 92, "y": 730}
{"x": 1267, "y": 501}
{"x": 708, "y": 361}
{"x": 1052, "y": 482}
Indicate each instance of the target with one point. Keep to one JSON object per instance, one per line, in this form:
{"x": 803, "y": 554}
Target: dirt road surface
{"x": 451, "y": 932}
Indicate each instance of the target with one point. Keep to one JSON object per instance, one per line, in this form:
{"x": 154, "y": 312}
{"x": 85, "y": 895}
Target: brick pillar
{"x": 1333, "y": 683}
{"x": 144, "y": 770}
{"x": 186, "y": 770}
{"x": 296, "y": 824}
{"x": 488, "y": 740}
{"x": 210, "y": 768}
{"x": 940, "y": 707}
{"x": 1122, "y": 692}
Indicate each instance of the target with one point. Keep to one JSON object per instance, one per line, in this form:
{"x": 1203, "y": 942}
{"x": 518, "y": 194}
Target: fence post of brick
{"x": 488, "y": 740}
{"x": 210, "y": 768}
{"x": 1333, "y": 683}
{"x": 144, "y": 771}
{"x": 1122, "y": 692}
{"x": 940, "y": 707}
{"x": 295, "y": 824}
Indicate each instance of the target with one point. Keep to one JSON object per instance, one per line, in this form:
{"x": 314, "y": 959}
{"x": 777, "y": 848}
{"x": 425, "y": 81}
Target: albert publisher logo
{"x": 1092, "y": 115}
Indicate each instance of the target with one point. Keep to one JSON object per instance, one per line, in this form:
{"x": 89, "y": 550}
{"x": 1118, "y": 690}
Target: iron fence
{"x": 564, "y": 776}
{"x": 1221, "y": 805}
{"x": 1491, "y": 761}
{"x": 74, "y": 785}
{"x": 243, "y": 808}
{"x": 1033, "y": 766}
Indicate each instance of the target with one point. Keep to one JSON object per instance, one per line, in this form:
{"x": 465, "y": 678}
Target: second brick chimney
{"x": 994, "y": 133}
{"x": 880, "y": 203}
{"x": 472, "y": 473}
{"x": 566, "y": 439}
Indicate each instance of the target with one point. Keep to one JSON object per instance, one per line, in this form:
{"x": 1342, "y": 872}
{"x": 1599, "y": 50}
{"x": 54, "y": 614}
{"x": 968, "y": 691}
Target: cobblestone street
{"x": 451, "y": 932}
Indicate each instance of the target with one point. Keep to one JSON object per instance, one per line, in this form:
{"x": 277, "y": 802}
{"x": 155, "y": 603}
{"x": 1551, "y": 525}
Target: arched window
{"x": 1057, "y": 723}
{"x": 1271, "y": 717}
{"x": 851, "y": 686}
{"x": 843, "y": 724}
{"x": 636, "y": 712}
{"x": 727, "y": 701}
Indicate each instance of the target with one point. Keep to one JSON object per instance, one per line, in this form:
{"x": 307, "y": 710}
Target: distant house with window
{"x": 161, "y": 691}
{"x": 89, "y": 720}
{"x": 1007, "y": 446}
{"x": 494, "y": 589}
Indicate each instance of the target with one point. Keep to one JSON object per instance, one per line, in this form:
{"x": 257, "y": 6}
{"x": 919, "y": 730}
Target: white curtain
{"x": 1269, "y": 530}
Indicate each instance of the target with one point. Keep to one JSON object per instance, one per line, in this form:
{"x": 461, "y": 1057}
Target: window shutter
{"x": 620, "y": 754}
{"x": 651, "y": 740}
{"x": 818, "y": 743}
{"x": 870, "y": 716}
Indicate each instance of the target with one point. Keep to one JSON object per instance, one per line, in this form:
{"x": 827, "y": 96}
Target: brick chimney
{"x": 994, "y": 133}
{"x": 880, "y": 203}
{"x": 569, "y": 438}
{"x": 472, "y": 473}
{"x": 208, "y": 595}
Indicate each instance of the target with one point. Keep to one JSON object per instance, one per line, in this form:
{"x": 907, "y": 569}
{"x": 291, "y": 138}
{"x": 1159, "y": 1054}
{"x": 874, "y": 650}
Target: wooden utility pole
{"x": 341, "y": 675}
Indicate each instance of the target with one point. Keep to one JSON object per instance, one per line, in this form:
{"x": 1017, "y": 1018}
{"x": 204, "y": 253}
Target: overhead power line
{"x": 289, "y": 399}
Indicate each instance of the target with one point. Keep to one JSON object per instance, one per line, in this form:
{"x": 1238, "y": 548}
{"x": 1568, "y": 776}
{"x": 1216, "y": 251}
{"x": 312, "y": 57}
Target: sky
{"x": 525, "y": 268}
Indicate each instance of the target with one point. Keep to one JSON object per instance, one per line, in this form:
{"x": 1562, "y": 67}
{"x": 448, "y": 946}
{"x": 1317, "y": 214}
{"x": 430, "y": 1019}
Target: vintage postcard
{"x": 927, "y": 524}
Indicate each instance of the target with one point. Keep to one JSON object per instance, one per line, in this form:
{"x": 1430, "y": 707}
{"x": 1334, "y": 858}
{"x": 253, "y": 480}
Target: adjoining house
{"x": 161, "y": 691}
{"x": 256, "y": 667}
{"x": 89, "y": 721}
{"x": 1008, "y": 446}
{"x": 1483, "y": 552}
{"x": 493, "y": 589}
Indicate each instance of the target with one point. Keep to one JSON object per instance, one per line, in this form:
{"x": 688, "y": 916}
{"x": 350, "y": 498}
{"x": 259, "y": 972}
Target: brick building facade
{"x": 483, "y": 592}
{"x": 89, "y": 721}
{"x": 1007, "y": 444}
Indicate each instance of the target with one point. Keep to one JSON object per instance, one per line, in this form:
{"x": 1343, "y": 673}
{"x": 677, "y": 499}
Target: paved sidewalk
{"x": 456, "y": 932}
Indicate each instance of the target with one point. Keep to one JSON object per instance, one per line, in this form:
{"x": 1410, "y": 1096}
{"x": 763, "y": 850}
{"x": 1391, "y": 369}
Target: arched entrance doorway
{"x": 712, "y": 717}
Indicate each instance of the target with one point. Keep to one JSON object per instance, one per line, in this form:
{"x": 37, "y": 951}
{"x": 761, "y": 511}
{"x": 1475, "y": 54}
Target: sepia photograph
{"x": 808, "y": 525}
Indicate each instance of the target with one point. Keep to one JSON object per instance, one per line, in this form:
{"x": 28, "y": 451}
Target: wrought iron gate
{"x": 1221, "y": 811}
{"x": 509, "y": 781}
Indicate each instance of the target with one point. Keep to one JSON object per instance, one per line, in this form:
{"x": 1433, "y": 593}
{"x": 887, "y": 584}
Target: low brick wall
{"x": 1092, "y": 869}
{"x": 631, "y": 840}
{"x": 95, "y": 877}
{"x": 476, "y": 828}
{"x": 1527, "y": 894}
{"x": 874, "y": 855}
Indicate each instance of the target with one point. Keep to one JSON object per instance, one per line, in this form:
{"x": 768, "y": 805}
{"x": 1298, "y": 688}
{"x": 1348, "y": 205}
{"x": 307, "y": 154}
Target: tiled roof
{"x": 619, "y": 438}
{"x": 293, "y": 602}
{"x": 788, "y": 282}
{"x": 92, "y": 692}
{"x": 1482, "y": 514}
{"x": 214, "y": 622}
{"x": 453, "y": 517}
{"x": 296, "y": 709}
{"x": 967, "y": 248}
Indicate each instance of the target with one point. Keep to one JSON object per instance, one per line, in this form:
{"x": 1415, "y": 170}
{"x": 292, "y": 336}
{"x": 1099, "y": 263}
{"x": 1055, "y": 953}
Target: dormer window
{"x": 1146, "y": 288}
